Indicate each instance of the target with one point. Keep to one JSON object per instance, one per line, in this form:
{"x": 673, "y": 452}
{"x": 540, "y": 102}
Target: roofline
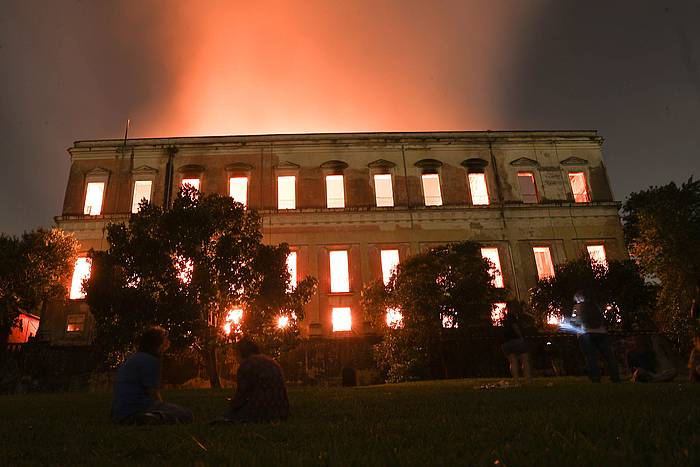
{"x": 386, "y": 136}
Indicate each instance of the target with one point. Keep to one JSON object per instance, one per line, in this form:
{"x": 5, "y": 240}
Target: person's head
{"x": 246, "y": 347}
{"x": 580, "y": 297}
{"x": 154, "y": 341}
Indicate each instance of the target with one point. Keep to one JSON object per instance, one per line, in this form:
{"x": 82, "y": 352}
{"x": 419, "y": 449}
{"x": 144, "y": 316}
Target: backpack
{"x": 591, "y": 315}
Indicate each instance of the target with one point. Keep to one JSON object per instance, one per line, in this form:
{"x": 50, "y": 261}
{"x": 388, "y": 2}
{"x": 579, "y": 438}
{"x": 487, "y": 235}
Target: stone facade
{"x": 552, "y": 218}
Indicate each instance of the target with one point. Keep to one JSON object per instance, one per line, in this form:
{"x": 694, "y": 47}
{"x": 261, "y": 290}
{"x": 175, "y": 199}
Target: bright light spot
{"x": 93, "y": 198}
{"x": 238, "y": 189}
{"x": 185, "y": 268}
{"x": 553, "y": 319}
{"x": 478, "y": 188}
{"x": 292, "y": 269}
{"x": 543, "y": 260}
{"x": 528, "y": 189}
{"x": 579, "y": 187}
{"x": 335, "y": 191}
{"x": 448, "y": 322}
{"x": 340, "y": 276}
{"x": 75, "y": 322}
{"x": 193, "y": 182}
{"x": 342, "y": 319}
{"x": 390, "y": 259}
{"x": 597, "y": 255}
{"x": 383, "y": 191}
{"x": 282, "y": 321}
{"x": 233, "y": 321}
{"x": 491, "y": 254}
{"x": 431, "y": 189}
{"x": 81, "y": 272}
{"x": 142, "y": 190}
{"x": 498, "y": 312}
{"x": 394, "y": 318}
{"x": 286, "y": 192}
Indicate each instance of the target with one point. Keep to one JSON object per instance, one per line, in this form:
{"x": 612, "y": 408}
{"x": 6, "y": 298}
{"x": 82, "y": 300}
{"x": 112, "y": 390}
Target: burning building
{"x": 353, "y": 205}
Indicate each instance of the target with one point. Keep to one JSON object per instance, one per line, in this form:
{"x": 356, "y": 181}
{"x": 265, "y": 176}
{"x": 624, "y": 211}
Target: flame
{"x": 394, "y": 318}
{"x": 233, "y": 321}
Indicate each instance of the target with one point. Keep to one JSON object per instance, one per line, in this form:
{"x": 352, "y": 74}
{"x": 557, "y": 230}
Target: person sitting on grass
{"x": 515, "y": 347}
{"x": 694, "y": 360}
{"x": 137, "y": 397}
{"x": 645, "y": 364}
{"x": 261, "y": 394}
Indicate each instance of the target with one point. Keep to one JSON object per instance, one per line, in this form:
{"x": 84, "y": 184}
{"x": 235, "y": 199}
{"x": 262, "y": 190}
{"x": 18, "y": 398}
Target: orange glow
{"x": 233, "y": 320}
{"x": 93, "y": 198}
{"x": 292, "y": 269}
{"x": 553, "y": 319}
{"x": 498, "y": 312}
{"x": 238, "y": 189}
{"x": 335, "y": 191}
{"x": 597, "y": 255}
{"x": 193, "y": 182}
{"x": 543, "y": 261}
{"x": 282, "y": 322}
{"x": 142, "y": 190}
{"x": 81, "y": 272}
{"x": 383, "y": 190}
{"x": 342, "y": 319}
{"x": 478, "y": 189}
{"x": 394, "y": 318}
{"x": 185, "y": 268}
{"x": 448, "y": 322}
{"x": 432, "y": 196}
{"x": 491, "y": 254}
{"x": 340, "y": 275}
{"x": 390, "y": 259}
{"x": 286, "y": 192}
{"x": 579, "y": 188}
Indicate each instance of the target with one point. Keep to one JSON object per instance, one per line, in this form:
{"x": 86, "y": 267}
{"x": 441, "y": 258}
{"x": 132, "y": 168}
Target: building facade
{"x": 352, "y": 205}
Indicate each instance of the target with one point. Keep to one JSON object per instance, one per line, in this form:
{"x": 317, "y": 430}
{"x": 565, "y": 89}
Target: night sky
{"x": 76, "y": 70}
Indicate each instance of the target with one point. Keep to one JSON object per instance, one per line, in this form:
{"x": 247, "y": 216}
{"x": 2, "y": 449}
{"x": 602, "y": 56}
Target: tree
{"x": 185, "y": 268}
{"x": 34, "y": 269}
{"x": 662, "y": 231}
{"x": 444, "y": 292}
{"x": 619, "y": 287}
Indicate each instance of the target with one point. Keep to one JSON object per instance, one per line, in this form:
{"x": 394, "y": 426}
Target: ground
{"x": 553, "y": 422}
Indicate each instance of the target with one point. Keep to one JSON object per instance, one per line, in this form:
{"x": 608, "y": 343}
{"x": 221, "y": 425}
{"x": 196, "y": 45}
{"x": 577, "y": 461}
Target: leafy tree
{"x": 450, "y": 284}
{"x": 619, "y": 286}
{"x": 184, "y": 268}
{"x": 662, "y": 230}
{"x": 34, "y": 269}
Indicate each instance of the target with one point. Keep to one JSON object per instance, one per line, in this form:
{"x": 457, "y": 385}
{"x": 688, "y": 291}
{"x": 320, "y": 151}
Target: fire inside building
{"x": 353, "y": 205}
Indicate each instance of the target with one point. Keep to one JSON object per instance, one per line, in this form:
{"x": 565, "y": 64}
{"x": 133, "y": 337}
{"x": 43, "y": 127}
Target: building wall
{"x": 362, "y": 228}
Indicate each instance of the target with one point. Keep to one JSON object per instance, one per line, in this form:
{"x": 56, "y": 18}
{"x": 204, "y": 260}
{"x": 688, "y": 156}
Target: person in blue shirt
{"x": 137, "y": 398}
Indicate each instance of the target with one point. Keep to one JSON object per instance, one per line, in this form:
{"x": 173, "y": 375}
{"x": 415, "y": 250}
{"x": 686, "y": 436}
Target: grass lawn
{"x": 569, "y": 422}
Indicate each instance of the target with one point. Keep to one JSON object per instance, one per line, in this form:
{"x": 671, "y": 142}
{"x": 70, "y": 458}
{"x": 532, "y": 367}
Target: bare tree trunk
{"x": 210, "y": 359}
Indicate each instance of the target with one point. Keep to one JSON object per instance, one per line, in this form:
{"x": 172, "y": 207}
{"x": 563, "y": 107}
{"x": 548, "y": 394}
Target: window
{"x": 431, "y": 189}
{"x": 342, "y": 319}
{"x": 543, "y": 260}
{"x": 335, "y": 191}
{"x": 93, "y": 198}
{"x": 81, "y": 272}
{"x": 340, "y": 277}
{"x": 597, "y": 255}
{"x": 292, "y": 268}
{"x": 394, "y": 318}
{"x": 578, "y": 187}
{"x": 528, "y": 189}
{"x": 491, "y": 254}
{"x": 142, "y": 190}
{"x": 498, "y": 312}
{"x": 233, "y": 321}
{"x": 75, "y": 322}
{"x": 193, "y": 182}
{"x": 238, "y": 189}
{"x": 478, "y": 188}
{"x": 286, "y": 192}
{"x": 390, "y": 259}
{"x": 383, "y": 190}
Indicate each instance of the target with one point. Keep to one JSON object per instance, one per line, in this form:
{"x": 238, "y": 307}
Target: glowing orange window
{"x": 335, "y": 191}
{"x": 478, "y": 189}
{"x": 528, "y": 188}
{"x": 491, "y": 254}
{"x": 498, "y": 312}
{"x": 431, "y": 189}
{"x": 286, "y": 192}
{"x": 342, "y": 319}
{"x": 238, "y": 189}
{"x": 340, "y": 275}
{"x": 75, "y": 322}
{"x": 579, "y": 188}
{"x": 93, "y": 198}
{"x": 383, "y": 190}
{"x": 142, "y": 191}
{"x": 292, "y": 268}
{"x": 193, "y": 182}
{"x": 390, "y": 259}
{"x": 81, "y": 272}
{"x": 543, "y": 260}
{"x": 597, "y": 255}
{"x": 394, "y": 318}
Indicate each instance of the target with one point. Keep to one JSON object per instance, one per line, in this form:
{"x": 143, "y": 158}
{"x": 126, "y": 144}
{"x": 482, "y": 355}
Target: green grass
{"x": 571, "y": 422}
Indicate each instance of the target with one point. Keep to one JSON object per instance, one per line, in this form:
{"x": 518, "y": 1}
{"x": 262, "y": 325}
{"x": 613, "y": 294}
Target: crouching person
{"x": 137, "y": 397}
{"x": 261, "y": 394}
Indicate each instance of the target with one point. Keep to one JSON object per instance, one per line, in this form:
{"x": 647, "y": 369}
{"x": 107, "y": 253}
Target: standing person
{"x": 515, "y": 347}
{"x": 593, "y": 338}
{"x": 694, "y": 360}
{"x": 261, "y": 394}
{"x": 137, "y": 397}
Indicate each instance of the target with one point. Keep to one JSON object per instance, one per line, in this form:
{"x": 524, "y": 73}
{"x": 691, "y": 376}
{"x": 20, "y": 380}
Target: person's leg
{"x": 525, "y": 358}
{"x": 172, "y": 413}
{"x": 514, "y": 370}
{"x": 589, "y": 352}
{"x": 602, "y": 343}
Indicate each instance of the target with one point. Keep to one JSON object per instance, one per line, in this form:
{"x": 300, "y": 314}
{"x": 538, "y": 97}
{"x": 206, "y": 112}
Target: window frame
{"x": 482, "y": 173}
{"x": 522, "y": 173}
{"x": 326, "y": 178}
{"x": 428, "y": 173}
{"x": 294, "y": 191}
{"x": 584, "y": 174}
{"x": 391, "y": 189}
{"x": 551, "y": 261}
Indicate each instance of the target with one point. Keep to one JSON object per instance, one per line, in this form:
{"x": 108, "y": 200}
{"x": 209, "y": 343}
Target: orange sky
{"x": 320, "y": 66}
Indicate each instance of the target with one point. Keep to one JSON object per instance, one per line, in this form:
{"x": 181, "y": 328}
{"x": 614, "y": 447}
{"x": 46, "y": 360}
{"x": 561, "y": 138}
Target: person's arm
{"x": 150, "y": 376}
{"x": 243, "y": 388}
